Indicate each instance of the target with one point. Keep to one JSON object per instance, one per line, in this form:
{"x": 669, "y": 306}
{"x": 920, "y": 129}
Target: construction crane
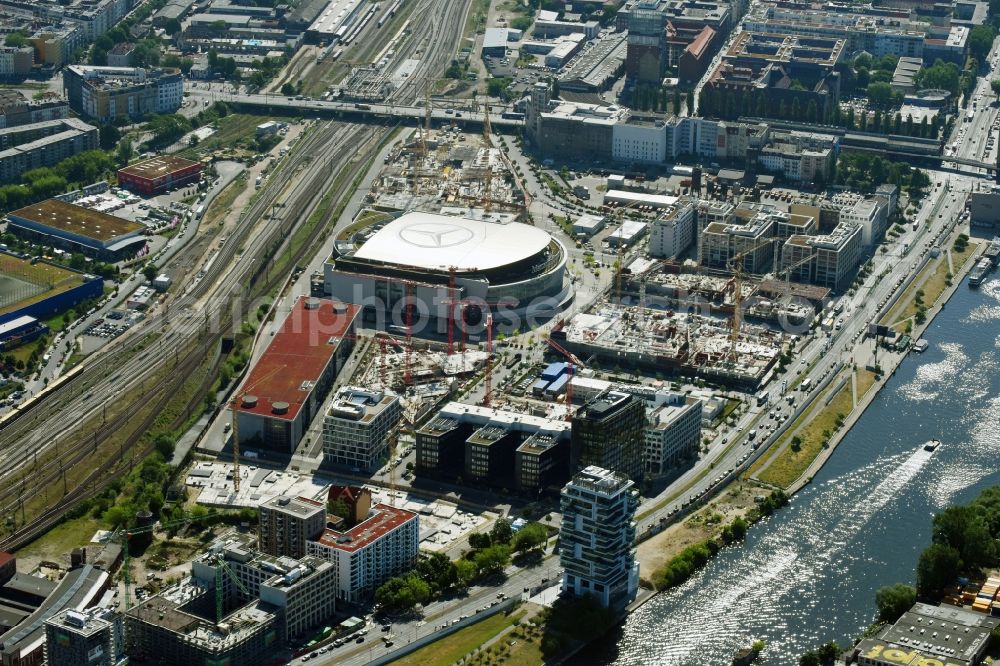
{"x": 736, "y": 266}
{"x": 124, "y": 537}
{"x": 620, "y": 261}
{"x": 408, "y": 322}
{"x": 427, "y": 121}
{"x": 220, "y": 566}
{"x": 237, "y": 399}
{"x": 488, "y": 379}
{"x": 574, "y": 363}
{"x": 787, "y": 271}
{"x": 487, "y": 145}
{"x": 643, "y": 277}
{"x": 451, "y": 309}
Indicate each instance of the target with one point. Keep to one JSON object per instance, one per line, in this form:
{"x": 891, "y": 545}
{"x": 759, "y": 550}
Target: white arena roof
{"x": 430, "y": 241}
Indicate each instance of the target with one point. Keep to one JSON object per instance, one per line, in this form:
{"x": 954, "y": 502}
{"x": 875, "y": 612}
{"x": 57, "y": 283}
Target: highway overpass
{"x": 283, "y": 104}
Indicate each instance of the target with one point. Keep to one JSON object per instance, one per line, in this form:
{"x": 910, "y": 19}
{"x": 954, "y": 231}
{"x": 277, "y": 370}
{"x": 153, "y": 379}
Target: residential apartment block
{"x": 26, "y": 147}
{"x": 286, "y": 524}
{"x": 673, "y": 433}
{"x": 673, "y": 232}
{"x": 383, "y": 544}
{"x": 596, "y": 537}
{"x": 106, "y": 93}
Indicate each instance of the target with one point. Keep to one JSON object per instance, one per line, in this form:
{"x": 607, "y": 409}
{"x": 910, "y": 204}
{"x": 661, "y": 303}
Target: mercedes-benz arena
{"x": 508, "y": 267}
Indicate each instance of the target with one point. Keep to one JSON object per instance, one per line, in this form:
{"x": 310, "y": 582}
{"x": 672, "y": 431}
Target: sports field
{"x": 23, "y": 283}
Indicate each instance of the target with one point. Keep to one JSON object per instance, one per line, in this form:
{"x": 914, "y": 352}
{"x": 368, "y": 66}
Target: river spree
{"x": 809, "y": 574}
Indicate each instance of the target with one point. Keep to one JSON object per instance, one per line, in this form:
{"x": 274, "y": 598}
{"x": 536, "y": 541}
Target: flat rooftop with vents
{"x": 284, "y": 390}
{"x": 77, "y": 228}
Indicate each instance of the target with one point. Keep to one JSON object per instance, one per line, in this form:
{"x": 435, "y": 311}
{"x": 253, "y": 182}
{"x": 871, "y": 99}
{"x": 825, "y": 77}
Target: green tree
{"x": 939, "y": 75}
{"x": 479, "y": 540}
{"x": 438, "y": 572}
{"x": 965, "y": 530}
{"x": 937, "y": 568}
{"x": 465, "y": 572}
{"x": 172, "y": 26}
{"x": 492, "y": 560}
{"x": 124, "y": 151}
{"x": 529, "y": 537}
{"x": 828, "y": 652}
{"x": 16, "y": 39}
{"x": 981, "y": 41}
{"x": 879, "y": 94}
{"x": 501, "y": 532}
{"x": 809, "y": 658}
{"x": 995, "y": 86}
{"x": 863, "y": 77}
{"x": 894, "y": 600}
{"x": 403, "y": 592}
{"x": 812, "y": 112}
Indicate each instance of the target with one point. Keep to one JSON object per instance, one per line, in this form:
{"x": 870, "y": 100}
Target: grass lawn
{"x": 865, "y": 380}
{"x": 447, "y": 651}
{"x": 788, "y": 465}
{"x": 933, "y": 279}
{"x": 223, "y": 203}
{"x": 475, "y": 22}
{"x": 233, "y": 129}
{"x": 56, "y": 544}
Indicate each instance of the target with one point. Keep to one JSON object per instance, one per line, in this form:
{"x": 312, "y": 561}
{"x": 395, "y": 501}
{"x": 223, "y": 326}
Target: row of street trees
{"x": 436, "y": 575}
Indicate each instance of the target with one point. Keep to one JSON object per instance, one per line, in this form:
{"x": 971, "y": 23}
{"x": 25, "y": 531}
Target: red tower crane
{"x": 574, "y": 363}
{"x": 488, "y": 379}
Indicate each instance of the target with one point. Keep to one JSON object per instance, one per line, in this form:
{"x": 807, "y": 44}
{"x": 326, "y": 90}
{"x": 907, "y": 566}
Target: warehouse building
{"x": 928, "y": 634}
{"x": 369, "y": 546}
{"x": 284, "y": 391}
{"x": 159, "y": 174}
{"x": 20, "y": 330}
{"x": 81, "y": 588}
{"x": 334, "y": 21}
{"x": 78, "y": 229}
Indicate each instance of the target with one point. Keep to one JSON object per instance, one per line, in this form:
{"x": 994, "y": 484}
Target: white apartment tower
{"x": 596, "y": 543}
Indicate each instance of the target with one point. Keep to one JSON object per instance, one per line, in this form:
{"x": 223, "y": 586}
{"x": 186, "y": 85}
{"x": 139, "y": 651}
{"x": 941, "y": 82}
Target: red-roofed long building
{"x": 286, "y": 388}
{"x": 383, "y": 545}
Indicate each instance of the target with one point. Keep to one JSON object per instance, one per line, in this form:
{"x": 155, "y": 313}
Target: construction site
{"x": 671, "y": 343}
{"x": 452, "y": 172}
{"x": 690, "y": 288}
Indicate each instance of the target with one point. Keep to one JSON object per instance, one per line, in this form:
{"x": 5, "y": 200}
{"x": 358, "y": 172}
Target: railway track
{"x": 324, "y": 163}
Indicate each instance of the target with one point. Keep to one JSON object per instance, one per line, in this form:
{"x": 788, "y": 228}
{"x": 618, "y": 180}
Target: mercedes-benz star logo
{"x": 431, "y": 235}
